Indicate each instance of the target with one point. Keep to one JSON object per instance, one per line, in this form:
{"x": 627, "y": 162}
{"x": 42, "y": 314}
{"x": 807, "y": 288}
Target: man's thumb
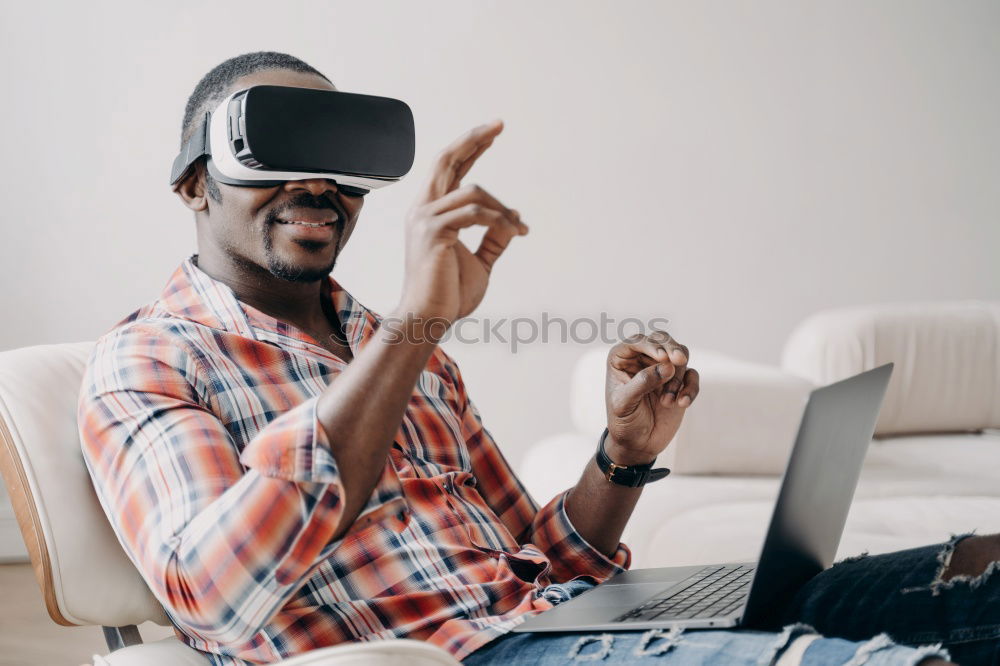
{"x": 628, "y": 396}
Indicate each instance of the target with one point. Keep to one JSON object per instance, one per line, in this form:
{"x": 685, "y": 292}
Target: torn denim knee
{"x": 794, "y": 654}
{"x": 782, "y": 641}
{"x": 882, "y": 651}
{"x": 591, "y": 648}
{"x": 944, "y": 561}
{"x": 870, "y": 647}
{"x": 656, "y": 642}
{"x": 854, "y": 558}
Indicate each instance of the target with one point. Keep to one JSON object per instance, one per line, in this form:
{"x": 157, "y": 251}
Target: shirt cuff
{"x": 569, "y": 553}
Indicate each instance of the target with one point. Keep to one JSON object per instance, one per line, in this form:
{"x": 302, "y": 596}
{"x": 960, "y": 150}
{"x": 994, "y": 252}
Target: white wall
{"x": 731, "y": 166}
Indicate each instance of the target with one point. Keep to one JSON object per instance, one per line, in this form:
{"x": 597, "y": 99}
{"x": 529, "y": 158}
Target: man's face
{"x": 256, "y": 226}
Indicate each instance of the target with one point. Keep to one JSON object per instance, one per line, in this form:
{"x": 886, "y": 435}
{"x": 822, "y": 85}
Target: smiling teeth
{"x": 308, "y": 224}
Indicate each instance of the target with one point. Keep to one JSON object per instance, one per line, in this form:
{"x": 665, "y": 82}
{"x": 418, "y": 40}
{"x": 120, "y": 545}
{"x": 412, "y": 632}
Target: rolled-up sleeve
{"x": 548, "y": 528}
{"x": 294, "y": 447}
{"x": 223, "y": 539}
{"x": 570, "y": 554}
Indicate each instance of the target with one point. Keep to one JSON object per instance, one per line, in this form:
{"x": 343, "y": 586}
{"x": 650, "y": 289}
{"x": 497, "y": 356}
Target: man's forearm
{"x": 599, "y": 510}
{"x": 361, "y": 410}
{"x": 649, "y": 387}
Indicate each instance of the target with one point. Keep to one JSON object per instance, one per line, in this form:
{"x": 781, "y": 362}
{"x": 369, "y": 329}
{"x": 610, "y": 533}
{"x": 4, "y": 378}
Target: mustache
{"x": 303, "y": 200}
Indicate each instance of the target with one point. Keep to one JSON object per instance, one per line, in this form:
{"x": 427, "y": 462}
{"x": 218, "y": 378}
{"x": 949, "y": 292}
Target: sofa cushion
{"x": 916, "y": 487}
{"x": 734, "y": 532}
{"x": 925, "y": 465}
{"x": 666, "y": 526}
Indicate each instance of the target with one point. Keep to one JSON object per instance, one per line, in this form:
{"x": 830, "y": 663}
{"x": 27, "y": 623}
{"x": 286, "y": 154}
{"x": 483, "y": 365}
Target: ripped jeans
{"x": 880, "y": 610}
{"x": 902, "y": 594}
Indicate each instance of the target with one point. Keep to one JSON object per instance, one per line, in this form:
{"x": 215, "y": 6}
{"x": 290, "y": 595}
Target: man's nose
{"x": 315, "y": 186}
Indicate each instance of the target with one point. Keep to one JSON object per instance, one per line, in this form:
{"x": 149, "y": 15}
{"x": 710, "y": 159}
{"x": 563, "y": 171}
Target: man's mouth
{"x": 318, "y": 219}
{"x": 317, "y": 225}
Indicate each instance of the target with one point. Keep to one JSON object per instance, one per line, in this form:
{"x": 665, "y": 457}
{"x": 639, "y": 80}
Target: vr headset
{"x": 266, "y": 135}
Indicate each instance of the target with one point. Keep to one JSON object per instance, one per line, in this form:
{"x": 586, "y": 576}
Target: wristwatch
{"x": 631, "y": 476}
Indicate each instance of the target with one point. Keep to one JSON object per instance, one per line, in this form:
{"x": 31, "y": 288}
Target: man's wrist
{"x": 404, "y": 326}
{"x": 623, "y": 456}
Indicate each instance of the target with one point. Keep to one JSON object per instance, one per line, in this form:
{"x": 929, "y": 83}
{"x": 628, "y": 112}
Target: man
{"x": 287, "y": 474}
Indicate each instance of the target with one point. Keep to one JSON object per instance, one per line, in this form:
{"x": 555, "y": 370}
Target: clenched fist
{"x": 649, "y": 387}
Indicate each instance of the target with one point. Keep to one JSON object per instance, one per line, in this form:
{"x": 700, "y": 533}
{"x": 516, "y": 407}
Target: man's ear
{"x": 192, "y": 190}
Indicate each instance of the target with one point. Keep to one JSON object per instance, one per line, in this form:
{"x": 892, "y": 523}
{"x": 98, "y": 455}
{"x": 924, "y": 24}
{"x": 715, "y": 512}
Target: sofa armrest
{"x": 554, "y": 464}
{"x": 744, "y": 420}
{"x": 946, "y": 354}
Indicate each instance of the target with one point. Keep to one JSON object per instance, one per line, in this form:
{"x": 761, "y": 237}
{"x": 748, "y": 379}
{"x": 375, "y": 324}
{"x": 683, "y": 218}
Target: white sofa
{"x": 932, "y": 470}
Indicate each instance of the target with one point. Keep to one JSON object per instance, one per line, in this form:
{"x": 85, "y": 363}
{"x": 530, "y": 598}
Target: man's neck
{"x": 300, "y": 304}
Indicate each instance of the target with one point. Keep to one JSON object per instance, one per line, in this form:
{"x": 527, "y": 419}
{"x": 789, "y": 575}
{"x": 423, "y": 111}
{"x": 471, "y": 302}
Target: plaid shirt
{"x": 198, "y": 422}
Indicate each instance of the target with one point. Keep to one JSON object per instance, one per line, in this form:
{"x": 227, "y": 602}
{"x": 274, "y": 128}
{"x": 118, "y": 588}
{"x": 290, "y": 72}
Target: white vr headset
{"x": 266, "y": 135}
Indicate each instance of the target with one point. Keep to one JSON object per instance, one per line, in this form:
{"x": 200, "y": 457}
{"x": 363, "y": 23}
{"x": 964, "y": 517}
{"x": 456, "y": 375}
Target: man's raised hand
{"x": 444, "y": 279}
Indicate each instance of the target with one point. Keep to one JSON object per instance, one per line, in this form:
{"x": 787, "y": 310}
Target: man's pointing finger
{"x": 455, "y": 161}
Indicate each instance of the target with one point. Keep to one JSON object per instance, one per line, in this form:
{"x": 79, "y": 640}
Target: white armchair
{"x": 933, "y": 469}
{"x": 84, "y": 574}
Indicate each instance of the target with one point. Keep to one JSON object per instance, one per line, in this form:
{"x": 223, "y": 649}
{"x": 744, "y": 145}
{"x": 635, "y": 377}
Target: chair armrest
{"x": 376, "y": 653}
{"x": 171, "y": 652}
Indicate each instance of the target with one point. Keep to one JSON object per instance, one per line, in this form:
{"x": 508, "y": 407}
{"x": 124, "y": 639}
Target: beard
{"x": 279, "y": 267}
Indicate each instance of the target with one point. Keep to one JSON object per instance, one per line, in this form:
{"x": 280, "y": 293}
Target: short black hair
{"x": 212, "y": 87}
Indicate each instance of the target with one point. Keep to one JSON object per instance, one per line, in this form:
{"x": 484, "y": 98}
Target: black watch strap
{"x": 631, "y": 476}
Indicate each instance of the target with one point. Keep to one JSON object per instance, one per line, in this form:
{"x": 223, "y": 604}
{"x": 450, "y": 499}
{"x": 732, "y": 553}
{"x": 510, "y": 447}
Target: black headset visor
{"x": 266, "y": 135}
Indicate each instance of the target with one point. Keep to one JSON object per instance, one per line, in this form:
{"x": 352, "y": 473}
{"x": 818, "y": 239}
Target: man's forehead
{"x": 281, "y": 77}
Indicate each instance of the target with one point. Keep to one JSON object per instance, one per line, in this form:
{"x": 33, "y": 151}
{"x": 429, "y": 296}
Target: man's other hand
{"x": 649, "y": 387}
{"x": 444, "y": 279}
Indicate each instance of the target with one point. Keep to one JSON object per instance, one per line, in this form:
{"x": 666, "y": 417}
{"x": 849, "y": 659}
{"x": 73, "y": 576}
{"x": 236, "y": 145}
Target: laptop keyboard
{"x": 712, "y": 592}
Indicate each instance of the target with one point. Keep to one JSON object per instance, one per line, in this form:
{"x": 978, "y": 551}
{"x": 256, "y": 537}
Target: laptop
{"x": 802, "y": 540}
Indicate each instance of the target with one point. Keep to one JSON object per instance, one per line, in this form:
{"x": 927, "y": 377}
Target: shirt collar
{"x": 193, "y": 294}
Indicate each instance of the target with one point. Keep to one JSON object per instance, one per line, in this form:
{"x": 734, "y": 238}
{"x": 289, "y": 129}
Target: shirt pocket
{"x": 488, "y": 534}
{"x": 485, "y": 529}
